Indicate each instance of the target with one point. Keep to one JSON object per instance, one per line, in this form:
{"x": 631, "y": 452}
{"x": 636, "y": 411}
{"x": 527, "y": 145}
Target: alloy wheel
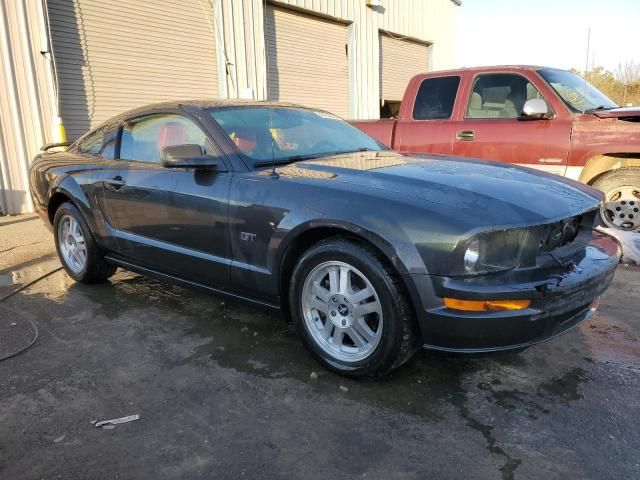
{"x": 342, "y": 311}
{"x": 72, "y": 243}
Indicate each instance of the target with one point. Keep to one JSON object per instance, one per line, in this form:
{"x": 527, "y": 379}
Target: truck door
{"x": 493, "y": 129}
{"x": 429, "y": 128}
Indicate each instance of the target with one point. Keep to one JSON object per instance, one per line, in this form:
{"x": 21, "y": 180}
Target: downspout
{"x": 58, "y": 132}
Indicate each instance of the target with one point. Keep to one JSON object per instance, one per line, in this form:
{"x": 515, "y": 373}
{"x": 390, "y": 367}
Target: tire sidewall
{"x": 69, "y": 209}
{"x": 387, "y": 348}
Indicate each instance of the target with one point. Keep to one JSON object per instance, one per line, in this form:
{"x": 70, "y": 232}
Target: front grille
{"x": 559, "y": 234}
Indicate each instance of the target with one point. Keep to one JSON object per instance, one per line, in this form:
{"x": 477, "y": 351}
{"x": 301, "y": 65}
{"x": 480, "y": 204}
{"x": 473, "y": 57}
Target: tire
{"x": 90, "y": 267}
{"x": 621, "y": 208}
{"x": 390, "y": 316}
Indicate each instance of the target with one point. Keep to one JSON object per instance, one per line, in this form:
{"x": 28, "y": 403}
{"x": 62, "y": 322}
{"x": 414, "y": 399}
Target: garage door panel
{"x": 307, "y": 60}
{"x": 400, "y": 59}
{"x": 112, "y": 56}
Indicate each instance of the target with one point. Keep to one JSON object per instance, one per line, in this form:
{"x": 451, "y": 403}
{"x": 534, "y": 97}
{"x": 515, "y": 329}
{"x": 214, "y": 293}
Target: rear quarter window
{"x": 435, "y": 98}
{"x": 92, "y": 143}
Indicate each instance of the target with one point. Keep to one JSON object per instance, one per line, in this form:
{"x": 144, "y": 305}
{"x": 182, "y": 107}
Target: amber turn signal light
{"x": 485, "y": 305}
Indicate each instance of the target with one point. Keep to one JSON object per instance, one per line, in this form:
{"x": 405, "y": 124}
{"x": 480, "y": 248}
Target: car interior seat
{"x": 171, "y": 134}
{"x": 475, "y": 106}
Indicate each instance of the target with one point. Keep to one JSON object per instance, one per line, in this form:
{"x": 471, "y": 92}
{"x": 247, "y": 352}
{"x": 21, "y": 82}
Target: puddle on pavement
{"x": 13, "y": 279}
{"x": 9, "y": 279}
{"x": 261, "y": 343}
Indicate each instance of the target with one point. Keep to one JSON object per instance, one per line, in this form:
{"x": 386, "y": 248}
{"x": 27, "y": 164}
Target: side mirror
{"x": 535, "y": 109}
{"x": 189, "y": 156}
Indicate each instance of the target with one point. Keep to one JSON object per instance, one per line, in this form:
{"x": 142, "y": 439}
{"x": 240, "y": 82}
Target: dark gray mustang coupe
{"x": 371, "y": 253}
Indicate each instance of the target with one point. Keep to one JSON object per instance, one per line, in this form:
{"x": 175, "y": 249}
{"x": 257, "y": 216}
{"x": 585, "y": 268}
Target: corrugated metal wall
{"x": 296, "y": 73}
{"x": 26, "y": 99}
{"x": 400, "y": 59}
{"x": 113, "y": 56}
{"x": 28, "y": 104}
{"x": 431, "y": 21}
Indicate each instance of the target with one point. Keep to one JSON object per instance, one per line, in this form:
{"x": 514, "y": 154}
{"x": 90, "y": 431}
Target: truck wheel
{"x": 77, "y": 250}
{"x": 351, "y": 310}
{"x": 621, "y": 207}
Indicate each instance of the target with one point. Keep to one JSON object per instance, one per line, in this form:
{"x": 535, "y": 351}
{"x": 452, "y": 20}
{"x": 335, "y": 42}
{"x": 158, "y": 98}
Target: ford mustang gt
{"x": 371, "y": 254}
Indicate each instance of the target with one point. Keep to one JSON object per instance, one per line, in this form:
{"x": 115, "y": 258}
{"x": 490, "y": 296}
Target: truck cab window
{"x": 499, "y": 95}
{"x": 435, "y": 98}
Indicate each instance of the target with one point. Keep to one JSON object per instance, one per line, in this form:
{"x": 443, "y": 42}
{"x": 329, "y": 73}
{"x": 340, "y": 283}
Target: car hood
{"x": 624, "y": 113}
{"x": 479, "y": 193}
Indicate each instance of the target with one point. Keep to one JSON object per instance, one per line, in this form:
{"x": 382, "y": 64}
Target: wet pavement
{"x": 226, "y": 391}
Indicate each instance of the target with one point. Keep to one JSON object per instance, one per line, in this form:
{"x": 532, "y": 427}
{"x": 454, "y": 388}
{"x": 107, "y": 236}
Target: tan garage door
{"x": 399, "y": 61}
{"x": 307, "y": 60}
{"x": 113, "y": 55}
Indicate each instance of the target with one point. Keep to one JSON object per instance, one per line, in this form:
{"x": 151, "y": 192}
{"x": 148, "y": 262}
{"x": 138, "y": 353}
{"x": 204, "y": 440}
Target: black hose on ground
{"x": 33, "y": 325}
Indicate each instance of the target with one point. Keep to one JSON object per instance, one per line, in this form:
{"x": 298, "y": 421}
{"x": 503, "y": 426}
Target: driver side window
{"x": 500, "y": 95}
{"x": 144, "y": 138}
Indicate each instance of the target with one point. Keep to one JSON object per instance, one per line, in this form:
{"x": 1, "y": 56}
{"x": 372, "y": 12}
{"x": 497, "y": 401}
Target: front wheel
{"x": 351, "y": 310}
{"x": 621, "y": 207}
{"x": 77, "y": 250}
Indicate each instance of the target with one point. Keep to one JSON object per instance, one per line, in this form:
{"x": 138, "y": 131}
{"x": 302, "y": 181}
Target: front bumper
{"x": 563, "y": 293}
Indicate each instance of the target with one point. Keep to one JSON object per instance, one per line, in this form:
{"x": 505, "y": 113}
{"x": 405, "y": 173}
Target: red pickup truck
{"x": 536, "y": 117}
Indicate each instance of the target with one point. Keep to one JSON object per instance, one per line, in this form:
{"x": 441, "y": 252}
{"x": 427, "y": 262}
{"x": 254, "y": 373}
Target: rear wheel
{"x": 77, "y": 250}
{"x": 621, "y": 208}
{"x": 350, "y": 309}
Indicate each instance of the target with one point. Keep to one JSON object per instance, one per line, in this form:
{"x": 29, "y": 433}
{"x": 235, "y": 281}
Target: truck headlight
{"x": 494, "y": 251}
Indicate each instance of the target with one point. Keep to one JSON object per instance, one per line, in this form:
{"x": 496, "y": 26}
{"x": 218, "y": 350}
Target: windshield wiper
{"x": 601, "y": 107}
{"x": 362, "y": 149}
{"x": 284, "y": 161}
{"x": 298, "y": 158}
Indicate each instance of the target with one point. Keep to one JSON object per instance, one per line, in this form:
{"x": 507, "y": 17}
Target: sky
{"x": 549, "y": 32}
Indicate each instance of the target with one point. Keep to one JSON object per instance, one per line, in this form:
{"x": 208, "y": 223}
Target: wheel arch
{"x": 305, "y": 236}
{"x": 67, "y": 189}
{"x": 56, "y": 199}
{"x": 600, "y": 164}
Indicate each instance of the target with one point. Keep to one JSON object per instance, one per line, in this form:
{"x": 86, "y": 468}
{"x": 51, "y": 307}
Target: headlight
{"x": 494, "y": 251}
{"x": 471, "y": 256}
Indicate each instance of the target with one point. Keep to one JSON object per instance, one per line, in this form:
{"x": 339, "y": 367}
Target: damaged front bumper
{"x": 563, "y": 289}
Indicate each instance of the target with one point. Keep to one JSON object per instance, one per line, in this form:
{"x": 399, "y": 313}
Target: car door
{"x": 430, "y": 127}
{"x": 493, "y": 128}
{"x": 169, "y": 220}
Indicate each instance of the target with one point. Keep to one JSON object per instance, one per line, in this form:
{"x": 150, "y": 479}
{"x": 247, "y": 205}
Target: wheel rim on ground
{"x": 342, "y": 311}
{"x": 621, "y": 208}
{"x": 72, "y": 243}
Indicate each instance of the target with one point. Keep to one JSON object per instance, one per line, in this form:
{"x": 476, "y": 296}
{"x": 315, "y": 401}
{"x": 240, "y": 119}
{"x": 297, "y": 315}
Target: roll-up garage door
{"x": 307, "y": 60}
{"x": 113, "y": 55}
{"x": 400, "y": 59}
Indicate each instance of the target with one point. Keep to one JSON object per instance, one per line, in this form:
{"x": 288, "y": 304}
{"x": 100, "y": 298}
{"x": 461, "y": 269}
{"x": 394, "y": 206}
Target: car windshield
{"x": 580, "y": 96}
{"x": 286, "y": 134}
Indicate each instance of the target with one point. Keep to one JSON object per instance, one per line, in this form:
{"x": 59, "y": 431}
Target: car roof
{"x": 491, "y": 68}
{"x": 203, "y": 103}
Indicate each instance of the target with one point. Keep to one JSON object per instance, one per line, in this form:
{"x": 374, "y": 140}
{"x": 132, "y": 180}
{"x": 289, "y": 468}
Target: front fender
{"x": 404, "y": 259}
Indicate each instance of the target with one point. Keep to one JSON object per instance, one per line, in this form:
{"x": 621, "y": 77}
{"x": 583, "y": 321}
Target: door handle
{"x": 466, "y": 135}
{"x": 116, "y": 182}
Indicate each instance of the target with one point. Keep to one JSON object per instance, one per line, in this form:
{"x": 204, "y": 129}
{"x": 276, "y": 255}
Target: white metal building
{"x": 67, "y": 65}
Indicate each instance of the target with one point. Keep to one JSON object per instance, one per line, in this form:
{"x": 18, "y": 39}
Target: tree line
{"x": 622, "y": 85}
